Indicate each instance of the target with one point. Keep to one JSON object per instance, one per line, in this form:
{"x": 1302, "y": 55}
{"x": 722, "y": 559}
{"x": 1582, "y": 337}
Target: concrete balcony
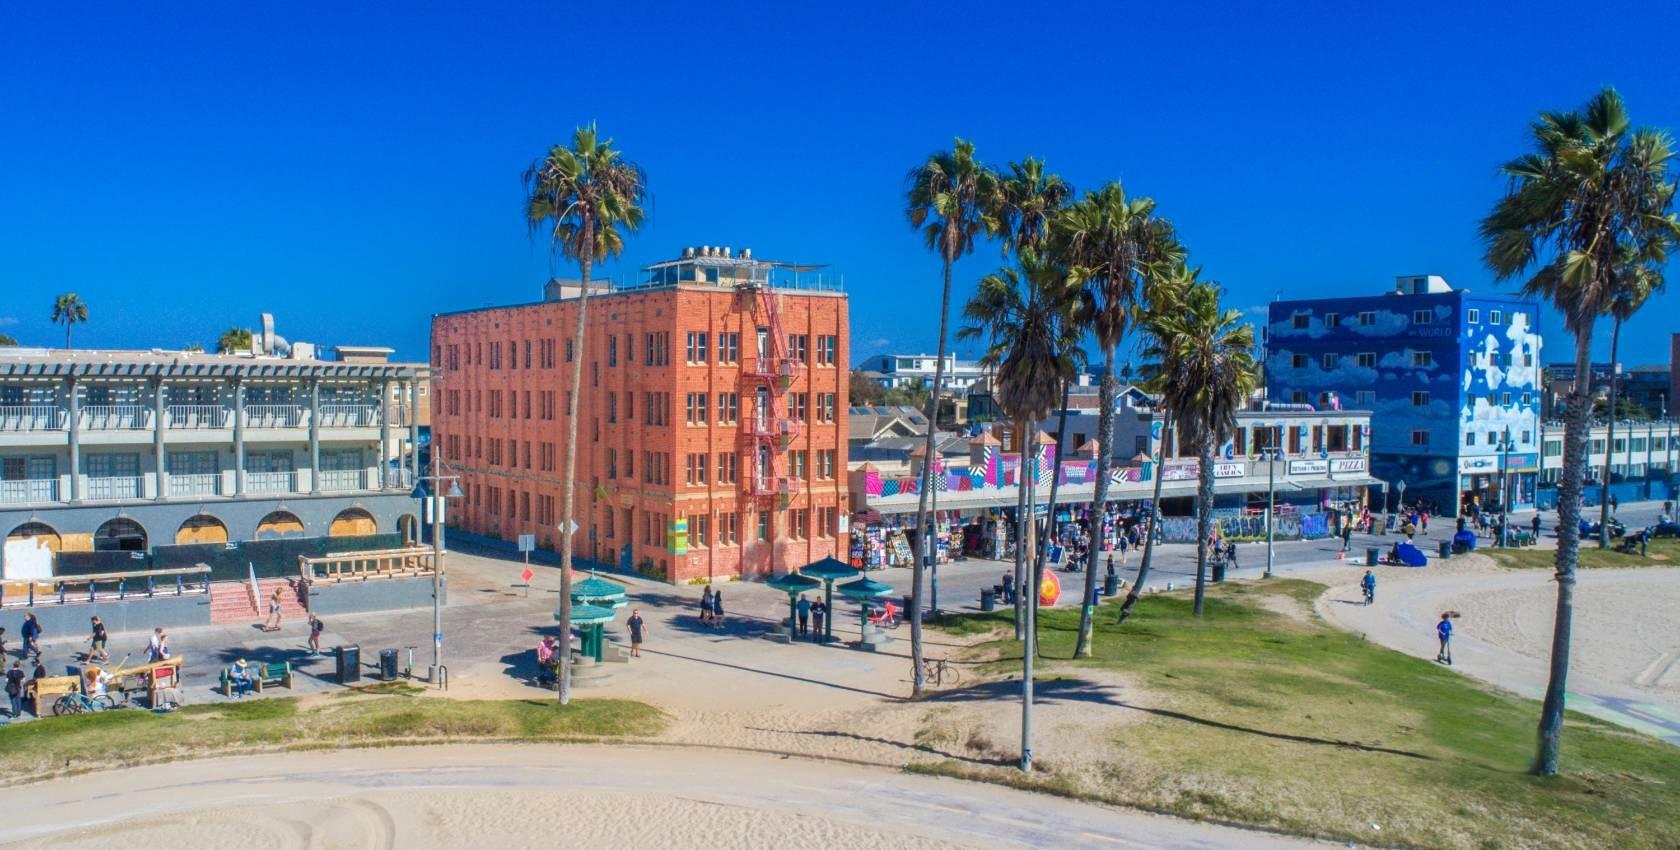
{"x": 350, "y": 415}
{"x": 32, "y": 417}
{"x": 197, "y": 417}
{"x": 336, "y": 480}
{"x": 114, "y": 489}
{"x": 201, "y": 484}
{"x": 271, "y": 482}
{"x": 276, "y": 416}
{"x": 116, "y": 417}
{"x": 29, "y": 491}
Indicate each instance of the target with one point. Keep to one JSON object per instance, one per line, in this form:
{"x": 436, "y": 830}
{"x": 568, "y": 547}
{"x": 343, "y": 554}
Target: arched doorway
{"x": 279, "y": 524}
{"x": 30, "y": 551}
{"x": 119, "y": 535}
{"x": 409, "y": 525}
{"x": 353, "y": 522}
{"x": 202, "y": 528}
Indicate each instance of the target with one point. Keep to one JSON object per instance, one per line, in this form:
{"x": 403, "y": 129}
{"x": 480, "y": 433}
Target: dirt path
{"x": 567, "y": 797}
{"x": 1625, "y": 659}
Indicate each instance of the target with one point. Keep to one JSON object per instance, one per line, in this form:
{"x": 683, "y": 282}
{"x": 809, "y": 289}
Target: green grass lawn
{"x": 55, "y": 745}
{"x": 1663, "y": 552}
{"x": 1284, "y": 722}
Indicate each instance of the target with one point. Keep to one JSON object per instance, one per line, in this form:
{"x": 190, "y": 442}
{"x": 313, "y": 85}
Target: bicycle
{"x": 938, "y": 671}
{"x": 78, "y": 703}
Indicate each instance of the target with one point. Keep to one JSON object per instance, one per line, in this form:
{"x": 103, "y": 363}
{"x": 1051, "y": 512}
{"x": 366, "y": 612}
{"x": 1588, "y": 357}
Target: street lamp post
{"x": 1505, "y": 489}
{"x": 435, "y": 502}
{"x": 1271, "y": 504}
{"x": 1650, "y": 433}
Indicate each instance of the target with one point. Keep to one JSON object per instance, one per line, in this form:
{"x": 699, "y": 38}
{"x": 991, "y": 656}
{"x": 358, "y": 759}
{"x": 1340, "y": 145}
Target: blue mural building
{"x": 1446, "y": 373}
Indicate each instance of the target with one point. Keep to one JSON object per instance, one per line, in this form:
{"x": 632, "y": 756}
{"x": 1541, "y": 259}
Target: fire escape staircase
{"x": 768, "y": 431}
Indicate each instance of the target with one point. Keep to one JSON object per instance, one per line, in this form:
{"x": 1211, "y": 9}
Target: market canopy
{"x": 865, "y": 588}
{"x": 600, "y": 590}
{"x": 830, "y": 569}
{"x": 793, "y": 583}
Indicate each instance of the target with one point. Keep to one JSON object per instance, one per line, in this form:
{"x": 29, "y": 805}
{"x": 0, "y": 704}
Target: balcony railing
{"x": 271, "y": 482}
{"x": 349, "y": 415}
{"x": 31, "y": 417}
{"x": 276, "y": 416}
{"x": 399, "y": 478}
{"x": 32, "y": 490}
{"x": 116, "y": 417}
{"x": 122, "y": 487}
{"x": 198, "y": 484}
{"x": 342, "y": 479}
{"x": 192, "y": 416}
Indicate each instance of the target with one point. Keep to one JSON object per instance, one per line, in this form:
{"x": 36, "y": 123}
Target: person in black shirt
{"x": 638, "y": 630}
{"x": 14, "y": 688}
{"x": 97, "y": 643}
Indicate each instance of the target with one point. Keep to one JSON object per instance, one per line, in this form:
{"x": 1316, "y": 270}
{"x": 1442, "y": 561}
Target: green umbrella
{"x": 793, "y": 584}
{"x": 830, "y": 570}
{"x": 863, "y": 590}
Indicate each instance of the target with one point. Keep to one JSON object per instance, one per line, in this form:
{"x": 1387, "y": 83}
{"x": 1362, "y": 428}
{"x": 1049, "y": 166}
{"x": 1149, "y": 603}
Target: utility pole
{"x": 435, "y": 502}
{"x": 1505, "y": 489}
{"x": 1271, "y": 504}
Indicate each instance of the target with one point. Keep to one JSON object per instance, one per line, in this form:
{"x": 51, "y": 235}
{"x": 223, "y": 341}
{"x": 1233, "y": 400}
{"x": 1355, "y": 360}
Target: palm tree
{"x": 582, "y": 197}
{"x": 69, "y": 310}
{"x": 234, "y": 339}
{"x": 7, "y": 339}
{"x": 1591, "y": 194}
{"x": 1107, "y": 241}
{"x": 1637, "y": 281}
{"x": 1024, "y": 312}
{"x": 1201, "y": 362}
{"x": 943, "y": 202}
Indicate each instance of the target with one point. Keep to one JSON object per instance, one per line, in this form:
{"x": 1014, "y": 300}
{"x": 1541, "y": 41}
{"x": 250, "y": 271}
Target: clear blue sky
{"x": 355, "y": 171}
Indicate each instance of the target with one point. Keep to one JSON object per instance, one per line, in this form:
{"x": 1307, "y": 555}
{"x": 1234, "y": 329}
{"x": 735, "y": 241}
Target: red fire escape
{"x": 767, "y": 430}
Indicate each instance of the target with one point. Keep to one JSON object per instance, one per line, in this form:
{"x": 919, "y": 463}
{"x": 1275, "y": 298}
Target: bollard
{"x": 1371, "y": 556}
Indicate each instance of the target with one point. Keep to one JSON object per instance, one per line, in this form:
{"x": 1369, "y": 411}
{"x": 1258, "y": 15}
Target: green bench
{"x": 279, "y": 673}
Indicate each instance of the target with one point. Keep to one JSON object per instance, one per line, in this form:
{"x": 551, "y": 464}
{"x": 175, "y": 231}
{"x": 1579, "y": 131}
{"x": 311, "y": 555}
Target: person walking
{"x": 717, "y": 610}
{"x": 1612, "y": 504}
{"x": 32, "y": 633}
{"x": 274, "y": 615}
{"x": 638, "y": 628}
{"x": 96, "y": 643}
{"x": 706, "y": 607}
{"x": 315, "y": 629}
{"x": 158, "y": 649}
{"x": 1535, "y": 524}
{"x": 35, "y": 676}
{"x": 1443, "y": 631}
{"x": 1423, "y": 520}
{"x": 1347, "y": 535}
{"x": 14, "y": 689}
{"x": 803, "y": 606}
{"x": 819, "y": 610}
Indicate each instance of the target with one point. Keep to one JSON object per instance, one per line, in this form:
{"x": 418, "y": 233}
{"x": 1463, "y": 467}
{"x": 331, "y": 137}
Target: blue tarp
{"x": 1411, "y": 555}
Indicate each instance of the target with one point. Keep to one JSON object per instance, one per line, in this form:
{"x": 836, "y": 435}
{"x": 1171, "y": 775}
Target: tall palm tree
{"x": 1107, "y": 241}
{"x": 69, "y": 310}
{"x": 1027, "y": 318}
{"x": 233, "y": 339}
{"x": 1593, "y": 192}
{"x": 1201, "y": 362}
{"x": 1636, "y": 282}
{"x": 582, "y": 197}
{"x": 943, "y": 200}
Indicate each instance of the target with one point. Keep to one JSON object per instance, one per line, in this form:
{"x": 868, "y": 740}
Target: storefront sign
{"x": 1484, "y": 463}
{"x": 1348, "y": 464}
{"x": 1229, "y": 470}
{"x": 1179, "y": 471}
{"x": 1490, "y": 463}
{"x": 1309, "y": 467}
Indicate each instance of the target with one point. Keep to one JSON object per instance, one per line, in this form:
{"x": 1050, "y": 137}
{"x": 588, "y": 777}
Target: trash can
{"x": 1218, "y": 571}
{"x": 349, "y": 664}
{"x": 1371, "y": 556}
{"x": 1111, "y": 584}
{"x": 1446, "y": 549}
{"x": 387, "y": 665}
{"x": 988, "y": 600}
{"x": 908, "y": 606}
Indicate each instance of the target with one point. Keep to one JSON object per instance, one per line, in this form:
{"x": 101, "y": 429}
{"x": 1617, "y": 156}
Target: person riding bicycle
{"x": 1369, "y": 585}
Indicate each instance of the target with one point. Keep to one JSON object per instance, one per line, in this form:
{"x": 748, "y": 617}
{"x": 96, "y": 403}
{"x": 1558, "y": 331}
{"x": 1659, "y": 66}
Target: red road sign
{"x": 526, "y": 576}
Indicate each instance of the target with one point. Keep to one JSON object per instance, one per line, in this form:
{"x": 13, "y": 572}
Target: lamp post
{"x": 438, "y": 674}
{"x": 1271, "y": 504}
{"x": 1505, "y": 488}
{"x": 1650, "y": 433}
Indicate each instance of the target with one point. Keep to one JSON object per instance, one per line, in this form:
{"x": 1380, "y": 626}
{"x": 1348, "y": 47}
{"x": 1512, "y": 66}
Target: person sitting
{"x": 239, "y": 676}
{"x": 548, "y": 660}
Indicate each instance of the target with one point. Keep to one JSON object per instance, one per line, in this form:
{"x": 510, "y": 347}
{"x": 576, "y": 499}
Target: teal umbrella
{"x": 599, "y": 592}
{"x": 592, "y": 619}
{"x": 793, "y": 584}
{"x": 830, "y": 570}
{"x": 864, "y": 590}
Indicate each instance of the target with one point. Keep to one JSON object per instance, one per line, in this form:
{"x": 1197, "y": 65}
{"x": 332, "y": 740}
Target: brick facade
{"x": 656, "y": 443}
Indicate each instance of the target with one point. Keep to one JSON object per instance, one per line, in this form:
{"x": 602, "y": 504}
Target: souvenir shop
{"x": 890, "y": 541}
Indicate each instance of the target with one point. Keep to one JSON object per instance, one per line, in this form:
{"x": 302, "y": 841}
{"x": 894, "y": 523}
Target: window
{"x": 527, "y": 354}
{"x": 612, "y": 464}
{"x": 828, "y": 520}
{"x": 1367, "y": 318}
{"x": 729, "y": 347}
{"x": 699, "y": 530}
{"x": 825, "y": 463}
{"x": 796, "y": 463}
{"x": 1300, "y": 321}
{"x": 764, "y": 526}
{"x": 1423, "y": 358}
{"x": 612, "y": 407}
{"x": 695, "y": 467}
{"x": 1365, "y": 397}
{"x": 694, "y": 411}
{"x": 1299, "y": 361}
{"x": 1423, "y": 317}
{"x": 799, "y": 522}
{"x": 1420, "y": 438}
{"x": 1526, "y": 438}
{"x": 612, "y": 351}
{"x": 1494, "y": 317}
{"x": 1367, "y": 360}
{"x": 797, "y": 406}
{"x": 726, "y": 468}
{"x": 729, "y": 408}
{"x": 1297, "y": 396}
{"x": 1473, "y": 315}
{"x": 1420, "y": 398}
{"x": 1332, "y": 320}
{"x": 1469, "y": 438}
{"x": 1525, "y": 398}
{"x": 569, "y": 350}
{"x": 799, "y": 347}
{"x": 696, "y": 350}
{"x": 729, "y": 529}
{"x": 1329, "y": 361}
{"x": 827, "y": 405}
{"x": 828, "y": 347}
{"x": 495, "y": 355}
{"x": 1505, "y": 399}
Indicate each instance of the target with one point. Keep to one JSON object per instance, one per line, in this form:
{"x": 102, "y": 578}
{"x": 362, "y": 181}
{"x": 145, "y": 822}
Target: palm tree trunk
{"x": 1043, "y": 549}
{"x": 1021, "y": 520}
{"x": 1099, "y": 497}
{"x": 66, "y": 336}
{"x": 1204, "y": 515}
{"x": 1149, "y": 538}
{"x": 924, "y": 524}
{"x": 1028, "y": 650}
{"x": 563, "y": 682}
{"x": 1568, "y": 554}
{"x": 1609, "y": 442}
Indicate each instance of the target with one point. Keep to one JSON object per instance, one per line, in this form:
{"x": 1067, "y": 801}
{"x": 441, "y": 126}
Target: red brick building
{"x": 712, "y": 418}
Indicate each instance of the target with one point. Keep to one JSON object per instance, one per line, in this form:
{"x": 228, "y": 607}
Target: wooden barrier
{"x": 137, "y": 583}
{"x": 361, "y": 566}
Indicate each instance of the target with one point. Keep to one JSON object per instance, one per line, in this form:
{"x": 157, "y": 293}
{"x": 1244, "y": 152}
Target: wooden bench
{"x": 279, "y": 673}
{"x": 45, "y": 692}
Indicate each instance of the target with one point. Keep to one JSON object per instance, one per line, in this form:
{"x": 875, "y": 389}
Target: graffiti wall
{"x": 1240, "y": 526}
